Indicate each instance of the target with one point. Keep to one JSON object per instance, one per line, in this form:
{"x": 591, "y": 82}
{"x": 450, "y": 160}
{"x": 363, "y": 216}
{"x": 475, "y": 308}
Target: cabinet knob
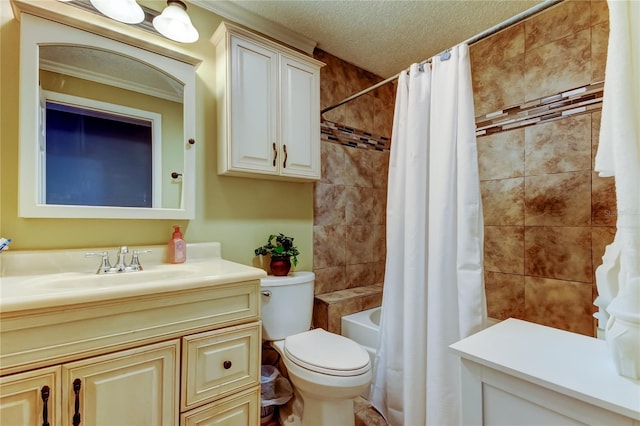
{"x": 226, "y": 365}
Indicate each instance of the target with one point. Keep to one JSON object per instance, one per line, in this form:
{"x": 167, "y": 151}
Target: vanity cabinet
{"x": 142, "y": 386}
{"x": 138, "y": 386}
{"x": 268, "y": 101}
{"x": 520, "y": 373}
{"x": 215, "y": 373}
{"x": 179, "y": 350}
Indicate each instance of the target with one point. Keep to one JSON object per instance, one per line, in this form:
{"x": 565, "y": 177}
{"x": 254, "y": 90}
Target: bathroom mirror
{"x": 107, "y": 130}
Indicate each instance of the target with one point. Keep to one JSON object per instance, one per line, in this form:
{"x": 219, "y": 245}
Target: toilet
{"x": 327, "y": 370}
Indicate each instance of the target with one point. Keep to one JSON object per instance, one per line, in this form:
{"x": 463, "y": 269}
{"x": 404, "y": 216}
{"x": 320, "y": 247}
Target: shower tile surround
{"x": 548, "y": 216}
{"x": 350, "y": 199}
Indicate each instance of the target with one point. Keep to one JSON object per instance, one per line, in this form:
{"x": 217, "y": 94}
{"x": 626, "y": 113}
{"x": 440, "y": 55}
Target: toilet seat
{"x": 327, "y": 353}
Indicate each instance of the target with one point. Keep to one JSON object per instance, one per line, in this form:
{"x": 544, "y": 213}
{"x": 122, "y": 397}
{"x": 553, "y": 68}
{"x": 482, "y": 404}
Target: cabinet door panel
{"x": 300, "y": 119}
{"x": 135, "y": 387}
{"x": 503, "y": 408}
{"x": 21, "y": 399}
{"x": 253, "y": 106}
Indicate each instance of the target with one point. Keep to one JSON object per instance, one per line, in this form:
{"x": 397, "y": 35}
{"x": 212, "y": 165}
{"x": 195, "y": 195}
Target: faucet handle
{"x": 105, "y": 265}
{"x": 135, "y": 260}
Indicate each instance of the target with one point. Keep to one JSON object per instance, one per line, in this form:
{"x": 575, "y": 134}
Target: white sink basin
{"x": 37, "y": 279}
{"x": 86, "y": 280}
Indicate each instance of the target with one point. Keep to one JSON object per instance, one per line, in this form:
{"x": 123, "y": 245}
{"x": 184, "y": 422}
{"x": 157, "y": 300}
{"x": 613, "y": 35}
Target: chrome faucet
{"x": 105, "y": 265}
{"x": 120, "y": 261}
{"x": 121, "y": 265}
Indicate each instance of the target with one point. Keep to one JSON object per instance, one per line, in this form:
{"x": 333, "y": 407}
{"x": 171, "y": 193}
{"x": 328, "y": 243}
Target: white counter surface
{"x": 46, "y": 279}
{"x": 569, "y": 363}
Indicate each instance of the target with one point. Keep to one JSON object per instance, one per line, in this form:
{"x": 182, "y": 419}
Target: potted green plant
{"x": 282, "y": 252}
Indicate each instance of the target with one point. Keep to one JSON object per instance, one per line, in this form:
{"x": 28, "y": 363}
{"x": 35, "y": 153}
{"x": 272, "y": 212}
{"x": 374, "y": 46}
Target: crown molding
{"x": 229, "y": 10}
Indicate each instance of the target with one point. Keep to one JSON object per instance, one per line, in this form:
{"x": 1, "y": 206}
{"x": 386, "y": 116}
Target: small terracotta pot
{"x": 280, "y": 266}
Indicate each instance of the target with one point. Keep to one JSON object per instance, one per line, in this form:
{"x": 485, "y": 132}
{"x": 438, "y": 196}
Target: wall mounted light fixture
{"x": 127, "y": 11}
{"x": 174, "y": 23}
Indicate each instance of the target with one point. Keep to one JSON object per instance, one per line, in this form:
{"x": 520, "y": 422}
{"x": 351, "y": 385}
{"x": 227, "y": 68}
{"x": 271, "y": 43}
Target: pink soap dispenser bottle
{"x": 177, "y": 247}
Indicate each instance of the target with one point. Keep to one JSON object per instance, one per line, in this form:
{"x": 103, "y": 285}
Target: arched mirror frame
{"x": 33, "y": 32}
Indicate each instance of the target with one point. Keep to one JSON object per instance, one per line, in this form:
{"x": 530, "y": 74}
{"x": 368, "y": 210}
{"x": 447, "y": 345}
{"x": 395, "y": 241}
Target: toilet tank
{"x": 287, "y": 304}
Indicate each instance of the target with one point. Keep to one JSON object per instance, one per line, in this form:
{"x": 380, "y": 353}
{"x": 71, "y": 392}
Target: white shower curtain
{"x": 434, "y": 289}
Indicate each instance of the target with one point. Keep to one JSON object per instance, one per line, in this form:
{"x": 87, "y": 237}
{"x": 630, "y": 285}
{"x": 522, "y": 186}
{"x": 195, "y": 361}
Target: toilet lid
{"x": 327, "y": 353}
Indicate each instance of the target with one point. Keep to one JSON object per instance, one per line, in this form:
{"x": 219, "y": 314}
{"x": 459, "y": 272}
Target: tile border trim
{"x": 580, "y": 100}
{"x": 351, "y": 137}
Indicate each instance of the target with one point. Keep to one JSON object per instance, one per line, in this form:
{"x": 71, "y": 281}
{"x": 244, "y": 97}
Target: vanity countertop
{"x": 50, "y": 278}
{"x": 572, "y": 364}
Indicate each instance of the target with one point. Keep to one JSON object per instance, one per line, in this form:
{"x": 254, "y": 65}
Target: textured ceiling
{"x": 386, "y": 36}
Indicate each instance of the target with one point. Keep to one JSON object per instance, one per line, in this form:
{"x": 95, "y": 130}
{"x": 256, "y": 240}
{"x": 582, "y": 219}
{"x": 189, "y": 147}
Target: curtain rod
{"x": 484, "y": 34}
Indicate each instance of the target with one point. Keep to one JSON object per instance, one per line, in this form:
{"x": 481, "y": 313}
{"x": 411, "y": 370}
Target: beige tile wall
{"x": 547, "y": 215}
{"x": 350, "y": 200}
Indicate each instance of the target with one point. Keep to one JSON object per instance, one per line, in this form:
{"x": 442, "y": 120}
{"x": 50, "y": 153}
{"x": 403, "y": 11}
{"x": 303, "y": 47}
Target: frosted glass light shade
{"x": 174, "y": 23}
{"x": 127, "y": 11}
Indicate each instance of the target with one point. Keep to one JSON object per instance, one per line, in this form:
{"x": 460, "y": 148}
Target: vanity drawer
{"x": 218, "y": 363}
{"x": 241, "y": 409}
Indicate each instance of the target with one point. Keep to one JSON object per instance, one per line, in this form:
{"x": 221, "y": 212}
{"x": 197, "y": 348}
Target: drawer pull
{"x": 44, "y": 393}
{"x": 226, "y": 365}
{"x": 77, "y": 383}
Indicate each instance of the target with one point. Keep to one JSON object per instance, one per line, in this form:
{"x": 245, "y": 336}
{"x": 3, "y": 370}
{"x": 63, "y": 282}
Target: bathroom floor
{"x": 366, "y": 415}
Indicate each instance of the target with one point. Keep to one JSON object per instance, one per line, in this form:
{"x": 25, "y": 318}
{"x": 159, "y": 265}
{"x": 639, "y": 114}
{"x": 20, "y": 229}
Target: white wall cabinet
{"x": 268, "y": 101}
{"x": 518, "y": 373}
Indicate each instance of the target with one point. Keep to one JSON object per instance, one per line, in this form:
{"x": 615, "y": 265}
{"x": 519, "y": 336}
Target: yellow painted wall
{"x": 238, "y": 212}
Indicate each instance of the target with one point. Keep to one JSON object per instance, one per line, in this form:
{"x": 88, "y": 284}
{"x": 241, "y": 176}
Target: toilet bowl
{"x": 327, "y": 370}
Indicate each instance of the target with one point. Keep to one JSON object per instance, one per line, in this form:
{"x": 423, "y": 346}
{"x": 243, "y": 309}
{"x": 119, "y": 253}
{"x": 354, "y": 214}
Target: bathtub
{"x": 363, "y": 328}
